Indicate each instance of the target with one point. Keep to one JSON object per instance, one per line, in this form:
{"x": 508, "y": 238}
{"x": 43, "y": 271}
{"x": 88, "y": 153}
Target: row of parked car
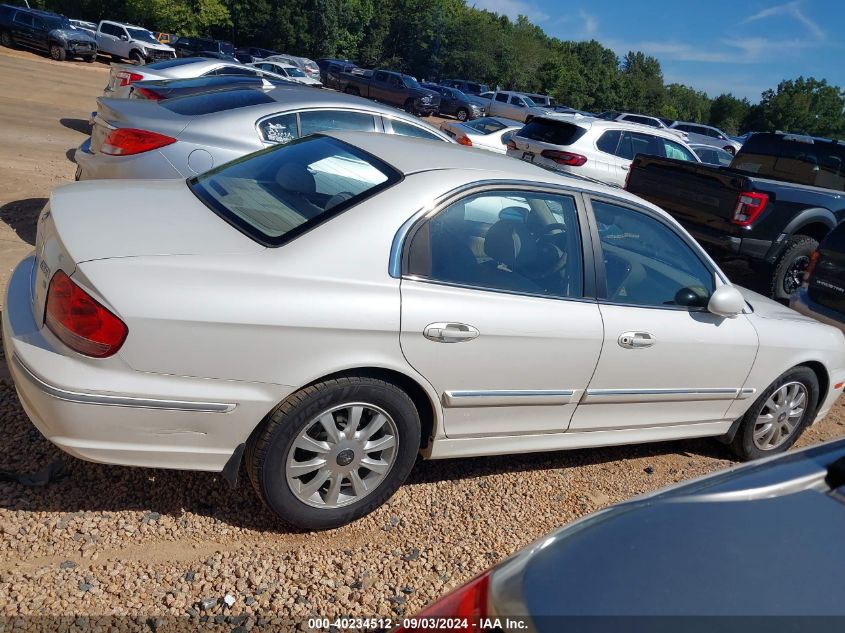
{"x": 365, "y": 290}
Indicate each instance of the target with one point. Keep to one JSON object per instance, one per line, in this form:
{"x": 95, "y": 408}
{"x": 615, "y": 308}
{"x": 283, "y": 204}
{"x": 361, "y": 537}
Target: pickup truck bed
{"x": 761, "y": 209}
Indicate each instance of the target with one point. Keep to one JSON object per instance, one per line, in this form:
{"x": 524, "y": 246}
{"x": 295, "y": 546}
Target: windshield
{"x": 58, "y": 23}
{"x": 141, "y": 35}
{"x": 279, "y": 193}
{"x": 410, "y": 82}
{"x": 529, "y": 102}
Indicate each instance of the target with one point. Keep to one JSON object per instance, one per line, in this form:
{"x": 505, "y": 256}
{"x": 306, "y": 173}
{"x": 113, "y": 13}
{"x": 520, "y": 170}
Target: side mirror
{"x": 726, "y": 301}
{"x": 124, "y": 38}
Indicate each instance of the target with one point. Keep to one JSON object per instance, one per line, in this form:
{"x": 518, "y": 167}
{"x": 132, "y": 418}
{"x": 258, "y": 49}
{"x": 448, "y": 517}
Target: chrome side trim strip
{"x": 606, "y": 396}
{"x": 507, "y": 398}
{"x": 120, "y": 401}
{"x": 746, "y": 393}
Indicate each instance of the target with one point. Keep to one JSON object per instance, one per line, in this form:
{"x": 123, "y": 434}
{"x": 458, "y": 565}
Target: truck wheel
{"x": 730, "y": 150}
{"x": 409, "y": 106}
{"x": 790, "y": 266}
{"x": 779, "y": 416}
{"x": 352, "y": 90}
{"x": 137, "y": 58}
{"x": 90, "y": 59}
{"x": 6, "y": 39}
{"x": 334, "y": 451}
{"x": 462, "y": 114}
{"x": 57, "y": 52}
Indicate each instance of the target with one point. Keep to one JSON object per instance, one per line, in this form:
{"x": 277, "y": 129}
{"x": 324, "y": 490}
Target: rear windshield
{"x": 485, "y": 125}
{"x": 216, "y": 102}
{"x": 279, "y": 193}
{"x": 172, "y": 63}
{"x": 554, "y": 132}
{"x": 798, "y": 159}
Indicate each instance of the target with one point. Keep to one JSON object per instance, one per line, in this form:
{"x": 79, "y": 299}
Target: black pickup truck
{"x": 780, "y": 196}
{"x": 392, "y": 88}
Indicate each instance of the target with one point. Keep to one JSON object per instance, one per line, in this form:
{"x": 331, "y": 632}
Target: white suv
{"x": 599, "y": 149}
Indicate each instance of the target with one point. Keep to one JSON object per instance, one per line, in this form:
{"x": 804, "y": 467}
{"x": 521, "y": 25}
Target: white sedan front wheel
{"x": 335, "y": 451}
{"x": 779, "y": 416}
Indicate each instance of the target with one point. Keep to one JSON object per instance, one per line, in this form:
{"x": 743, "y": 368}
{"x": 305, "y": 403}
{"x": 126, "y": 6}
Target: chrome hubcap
{"x": 780, "y": 416}
{"x": 342, "y": 455}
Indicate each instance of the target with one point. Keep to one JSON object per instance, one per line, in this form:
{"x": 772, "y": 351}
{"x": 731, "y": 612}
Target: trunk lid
{"x": 827, "y": 283}
{"x": 142, "y": 114}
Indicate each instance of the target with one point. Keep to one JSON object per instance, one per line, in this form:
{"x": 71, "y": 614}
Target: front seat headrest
{"x": 509, "y": 243}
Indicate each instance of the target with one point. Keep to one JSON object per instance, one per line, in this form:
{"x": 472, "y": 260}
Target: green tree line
{"x": 434, "y": 39}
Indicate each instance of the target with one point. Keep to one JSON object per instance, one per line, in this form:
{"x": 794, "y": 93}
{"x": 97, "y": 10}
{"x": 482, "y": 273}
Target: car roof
{"x": 410, "y": 155}
{"x": 588, "y": 123}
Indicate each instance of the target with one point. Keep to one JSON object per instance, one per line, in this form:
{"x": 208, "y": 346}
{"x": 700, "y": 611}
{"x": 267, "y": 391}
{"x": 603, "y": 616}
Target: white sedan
{"x": 330, "y": 308}
{"x": 288, "y": 71}
{"x": 490, "y": 132}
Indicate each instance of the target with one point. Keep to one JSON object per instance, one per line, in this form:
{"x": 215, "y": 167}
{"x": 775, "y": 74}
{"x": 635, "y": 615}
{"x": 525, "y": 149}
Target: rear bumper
{"x": 104, "y": 411}
{"x": 153, "y": 164}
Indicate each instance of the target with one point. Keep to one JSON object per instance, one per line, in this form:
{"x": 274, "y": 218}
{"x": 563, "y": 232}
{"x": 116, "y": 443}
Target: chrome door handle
{"x": 636, "y": 340}
{"x": 449, "y": 332}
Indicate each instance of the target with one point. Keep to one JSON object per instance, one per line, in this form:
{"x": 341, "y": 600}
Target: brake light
{"x": 512, "y": 144}
{"x": 80, "y": 321}
{"x": 811, "y": 267}
{"x": 148, "y": 93}
{"x": 126, "y": 77}
{"x": 749, "y": 206}
{"x": 127, "y": 141}
{"x": 564, "y": 158}
{"x": 465, "y": 140}
{"x": 468, "y": 601}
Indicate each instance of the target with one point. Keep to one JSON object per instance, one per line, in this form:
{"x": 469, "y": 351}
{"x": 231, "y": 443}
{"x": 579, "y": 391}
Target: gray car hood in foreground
{"x": 763, "y": 539}
{"x": 132, "y": 218}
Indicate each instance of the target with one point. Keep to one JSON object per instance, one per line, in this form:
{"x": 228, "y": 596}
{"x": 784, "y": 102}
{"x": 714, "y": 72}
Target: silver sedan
{"x": 180, "y": 138}
{"x": 328, "y": 309}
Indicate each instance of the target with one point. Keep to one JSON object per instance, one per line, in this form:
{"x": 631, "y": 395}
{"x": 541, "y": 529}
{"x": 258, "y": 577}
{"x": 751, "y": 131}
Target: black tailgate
{"x": 696, "y": 195}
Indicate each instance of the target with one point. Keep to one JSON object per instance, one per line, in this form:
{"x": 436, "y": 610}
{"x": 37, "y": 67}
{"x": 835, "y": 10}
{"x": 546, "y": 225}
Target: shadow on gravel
{"x": 77, "y": 125}
{"x": 22, "y": 217}
{"x": 84, "y": 486}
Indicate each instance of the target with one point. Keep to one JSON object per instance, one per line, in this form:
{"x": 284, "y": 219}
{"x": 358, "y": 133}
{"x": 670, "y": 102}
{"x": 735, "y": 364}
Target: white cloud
{"x": 512, "y": 9}
{"x": 591, "y": 23}
{"x": 728, "y": 51}
{"x": 792, "y": 10}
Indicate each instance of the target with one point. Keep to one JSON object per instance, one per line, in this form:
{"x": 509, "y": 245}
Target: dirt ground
{"x": 147, "y": 545}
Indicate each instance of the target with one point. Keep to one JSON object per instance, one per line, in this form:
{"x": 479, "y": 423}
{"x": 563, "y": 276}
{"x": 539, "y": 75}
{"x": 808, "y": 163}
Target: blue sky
{"x": 737, "y": 46}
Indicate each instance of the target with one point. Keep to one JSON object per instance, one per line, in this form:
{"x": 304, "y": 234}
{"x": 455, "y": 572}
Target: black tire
{"x": 743, "y": 444}
{"x": 90, "y": 59}
{"x": 788, "y": 272}
{"x": 730, "y": 150}
{"x": 272, "y": 442}
{"x": 137, "y": 58}
{"x": 462, "y": 114}
{"x": 352, "y": 90}
{"x": 409, "y": 107}
{"x": 58, "y": 53}
{"x": 6, "y": 39}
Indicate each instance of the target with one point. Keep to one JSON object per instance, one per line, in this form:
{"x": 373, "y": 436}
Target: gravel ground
{"x": 158, "y": 548}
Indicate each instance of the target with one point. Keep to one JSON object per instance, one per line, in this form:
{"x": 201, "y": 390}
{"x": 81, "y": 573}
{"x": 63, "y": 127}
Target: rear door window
{"x": 503, "y": 98}
{"x": 609, "y": 141}
{"x": 282, "y": 128}
{"x": 403, "y": 128}
{"x": 675, "y": 150}
{"x": 23, "y": 19}
{"x": 327, "y": 120}
{"x": 634, "y": 143}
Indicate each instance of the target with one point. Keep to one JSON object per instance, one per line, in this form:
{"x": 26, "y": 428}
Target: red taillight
{"x": 511, "y": 144}
{"x": 811, "y": 267}
{"x": 80, "y": 321}
{"x": 467, "y": 602}
{"x": 127, "y": 141}
{"x": 126, "y": 77}
{"x": 464, "y": 140}
{"x": 148, "y": 93}
{"x": 564, "y": 158}
{"x": 749, "y": 206}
